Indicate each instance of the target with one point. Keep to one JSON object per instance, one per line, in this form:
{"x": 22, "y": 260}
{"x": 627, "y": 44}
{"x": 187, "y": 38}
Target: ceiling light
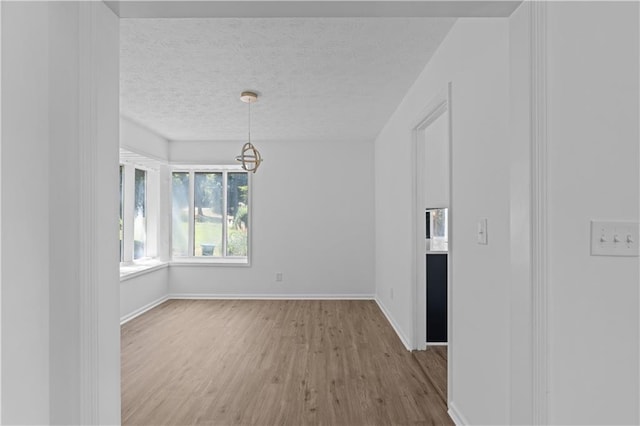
{"x": 249, "y": 157}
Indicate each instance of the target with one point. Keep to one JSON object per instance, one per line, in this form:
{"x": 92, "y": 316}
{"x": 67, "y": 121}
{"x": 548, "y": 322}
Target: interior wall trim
{"x": 539, "y": 212}
{"x": 0, "y": 216}
{"x": 456, "y": 415}
{"x": 149, "y": 306}
{"x": 188, "y": 296}
{"x": 88, "y": 260}
{"x": 440, "y": 104}
{"x": 267, "y": 296}
{"x": 255, "y": 296}
{"x": 405, "y": 341}
{"x": 434, "y": 109}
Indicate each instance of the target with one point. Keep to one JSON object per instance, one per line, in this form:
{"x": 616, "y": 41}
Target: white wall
{"x": 25, "y": 209}
{"x": 312, "y": 206}
{"x": 65, "y": 287}
{"x": 46, "y": 368}
{"x": 594, "y": 173}
{"x": 474, "y": 57}
{"x": 105, "y": 52}
{"x": 138, "y": 292}
{"x": 141, "y": 140}
{"x": 436, "y": 163}
{"x": 520, "y": 74}
{"x": 0, "y": 213}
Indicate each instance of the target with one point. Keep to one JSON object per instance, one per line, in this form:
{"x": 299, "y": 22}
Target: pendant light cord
{"x": 249, "y": 121}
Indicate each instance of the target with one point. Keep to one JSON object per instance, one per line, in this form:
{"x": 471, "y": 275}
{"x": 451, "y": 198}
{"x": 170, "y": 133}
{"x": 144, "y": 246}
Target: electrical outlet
{"x": 278, "y": 276}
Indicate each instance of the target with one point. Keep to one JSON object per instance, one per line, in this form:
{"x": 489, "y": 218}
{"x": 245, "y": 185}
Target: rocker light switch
{"x": 482, "y": 232}
{"x": 614, "y": 238}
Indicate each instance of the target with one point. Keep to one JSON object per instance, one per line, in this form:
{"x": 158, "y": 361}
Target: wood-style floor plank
{"x": 433, "y": 362}
{"x": 286, "y": 362}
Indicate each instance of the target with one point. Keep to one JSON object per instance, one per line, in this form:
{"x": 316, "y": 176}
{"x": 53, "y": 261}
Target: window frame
{"x": 122, "y": 221}
{"x": 145, "y": 209}
{"x": 152, "y": 214}
{"x": 224, "y": 259}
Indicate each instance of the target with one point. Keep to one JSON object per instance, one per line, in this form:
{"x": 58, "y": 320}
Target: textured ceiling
{"x": 318, "y": 78}
{"x": 312, "y": 8}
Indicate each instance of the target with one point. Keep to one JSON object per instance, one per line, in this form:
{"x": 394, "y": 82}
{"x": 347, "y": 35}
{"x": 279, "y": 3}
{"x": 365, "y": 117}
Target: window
{"x": 141, "y": 193}
{"x": 180, "y": 214}
{"x": 208, "y": 217}
{"x": 140, "y": 215}
{"x": 238, "y": 211}
{"x": 139, "y": 212}
{"x": 121, "y": 213}
{"x": 210, "y": 214}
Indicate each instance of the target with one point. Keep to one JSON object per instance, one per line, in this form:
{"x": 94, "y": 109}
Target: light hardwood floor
{"x": 244, "y": 362}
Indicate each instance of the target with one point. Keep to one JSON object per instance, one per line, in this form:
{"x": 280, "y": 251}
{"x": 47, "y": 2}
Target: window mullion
{"x": 128, "y": 213}
{"x": 192, "y": 210}
{"x": 224, "y": 214}
{"x": 249, "y": 212}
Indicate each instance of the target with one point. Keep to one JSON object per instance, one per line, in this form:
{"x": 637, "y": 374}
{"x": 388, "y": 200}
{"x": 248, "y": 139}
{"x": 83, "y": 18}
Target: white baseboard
{"x": 456, "y": 416}
{"x": 395, "y": 327}
{"x": 143, "y": 309}
{"x": 272, "y": 296}
{"x": 437, "y": 344}
{"x": 207, "y": 296}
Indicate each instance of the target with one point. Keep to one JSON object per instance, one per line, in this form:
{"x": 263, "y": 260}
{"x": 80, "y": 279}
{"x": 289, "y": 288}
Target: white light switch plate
{"x": 614, "y": 238}
{"x": 482, "y": 232}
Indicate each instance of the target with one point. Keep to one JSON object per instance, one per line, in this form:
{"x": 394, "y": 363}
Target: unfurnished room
{"x": 325, "y": 212}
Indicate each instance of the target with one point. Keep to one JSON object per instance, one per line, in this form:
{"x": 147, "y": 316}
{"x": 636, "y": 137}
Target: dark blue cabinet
{"x": 436, "y": 297}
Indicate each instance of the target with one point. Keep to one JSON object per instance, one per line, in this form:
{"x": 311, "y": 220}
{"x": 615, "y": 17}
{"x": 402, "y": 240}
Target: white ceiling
{"x": 312, "y": 8}
{"x": 318, "y": 78}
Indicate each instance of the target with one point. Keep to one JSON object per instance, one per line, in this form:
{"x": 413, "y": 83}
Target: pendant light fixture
{"x": 249, "y": 157}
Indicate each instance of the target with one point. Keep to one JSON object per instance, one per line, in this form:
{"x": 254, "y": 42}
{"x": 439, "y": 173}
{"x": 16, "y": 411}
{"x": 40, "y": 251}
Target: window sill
{"x": 140, "y": 267}
{"x": 192, "y": 261}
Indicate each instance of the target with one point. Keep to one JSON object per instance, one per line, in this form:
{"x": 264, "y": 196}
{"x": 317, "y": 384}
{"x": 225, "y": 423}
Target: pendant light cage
{"x": 250, "y": 156}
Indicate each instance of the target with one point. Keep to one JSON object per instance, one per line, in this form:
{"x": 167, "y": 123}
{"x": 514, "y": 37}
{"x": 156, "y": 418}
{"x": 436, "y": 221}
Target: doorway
{"x": 433, "y": 215}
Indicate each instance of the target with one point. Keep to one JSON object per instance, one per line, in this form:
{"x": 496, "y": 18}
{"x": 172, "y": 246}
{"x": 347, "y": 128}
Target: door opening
{"x": 434, "y": 217}
{"x": 436, "y": 253}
